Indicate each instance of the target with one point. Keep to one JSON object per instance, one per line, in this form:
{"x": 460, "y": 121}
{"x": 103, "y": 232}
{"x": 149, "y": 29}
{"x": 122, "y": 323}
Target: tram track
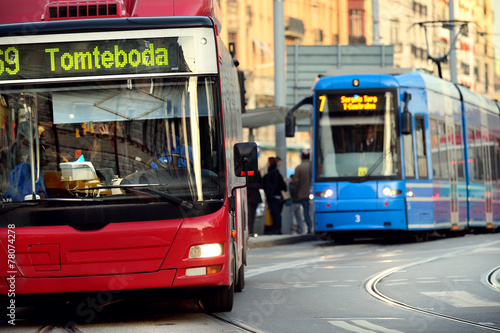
{"x": 236, "y": 324}
{"x": 220, "y": 317}
{"x": 50, "y": 328}
{"x": 493, "y": 278}
{"x": 371, "y": 288}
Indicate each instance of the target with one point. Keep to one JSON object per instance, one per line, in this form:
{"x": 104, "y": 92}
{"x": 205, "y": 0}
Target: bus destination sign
{"x": 96, "y": 58}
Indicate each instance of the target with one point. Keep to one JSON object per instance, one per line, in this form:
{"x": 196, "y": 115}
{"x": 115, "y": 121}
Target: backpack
{"x": 19, "y": 183}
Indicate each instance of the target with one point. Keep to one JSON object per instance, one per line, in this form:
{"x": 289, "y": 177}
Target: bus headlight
{"x": 325, "y": 194}
{"x": 206, "y": 250}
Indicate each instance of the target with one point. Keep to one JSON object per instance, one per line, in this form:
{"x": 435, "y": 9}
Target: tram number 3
{"x": 357, "y": 218}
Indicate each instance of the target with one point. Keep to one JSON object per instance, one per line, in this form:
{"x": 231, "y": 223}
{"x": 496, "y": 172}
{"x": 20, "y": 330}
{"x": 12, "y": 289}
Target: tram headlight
{"x": 388, "y": 192}
{"x": 206, "y": 250}
{"x": 325, "y": 194}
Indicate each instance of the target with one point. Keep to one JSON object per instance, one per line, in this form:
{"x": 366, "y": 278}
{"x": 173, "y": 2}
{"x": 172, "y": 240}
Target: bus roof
{"x": 110, "y": 24}
{"x": 21, "y": 11}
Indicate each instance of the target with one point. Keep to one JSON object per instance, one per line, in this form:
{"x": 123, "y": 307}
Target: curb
{"x": 275, "y": 240}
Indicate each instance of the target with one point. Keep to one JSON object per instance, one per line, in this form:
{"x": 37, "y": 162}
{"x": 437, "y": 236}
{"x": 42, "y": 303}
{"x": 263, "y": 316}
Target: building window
{"x": 465, "y": 68}
{"x": 423, "y": 10}
{"x": 486, "y": 81}
{"x": 414, "y": 50}
{"x": 394, "y": 31}
{"x": 318, "y": 36}
{"x": 356, "y": 23}
{"x": 476, "y": 70}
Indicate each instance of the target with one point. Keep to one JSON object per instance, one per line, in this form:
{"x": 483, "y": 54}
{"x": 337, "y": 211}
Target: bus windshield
{"x": 357, "y": 136}
{"x": 101, "y": 140}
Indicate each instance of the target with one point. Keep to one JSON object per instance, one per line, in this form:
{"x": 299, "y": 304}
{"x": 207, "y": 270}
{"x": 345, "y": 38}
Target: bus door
{"x": 487, "y": 175}
{"x": 453, "y": 174}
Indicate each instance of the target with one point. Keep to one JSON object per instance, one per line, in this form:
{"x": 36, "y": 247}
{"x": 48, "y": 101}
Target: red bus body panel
{"x": 120, "y": 256}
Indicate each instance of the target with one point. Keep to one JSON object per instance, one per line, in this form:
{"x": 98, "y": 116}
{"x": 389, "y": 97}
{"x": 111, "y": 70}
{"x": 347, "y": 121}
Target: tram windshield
{"x": 357, "y": 136}
{"x": 152, "y": 137}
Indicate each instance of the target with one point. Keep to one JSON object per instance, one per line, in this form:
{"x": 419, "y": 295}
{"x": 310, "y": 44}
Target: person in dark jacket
{"x": 302, "y": 181}
{"x": 253, "y": 199}
{"x": 273, "y": 185}
{"x": 295, "y": 209}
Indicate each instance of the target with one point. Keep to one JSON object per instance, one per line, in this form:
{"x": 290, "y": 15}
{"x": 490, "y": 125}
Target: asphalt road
{"x": 443, "y": 285}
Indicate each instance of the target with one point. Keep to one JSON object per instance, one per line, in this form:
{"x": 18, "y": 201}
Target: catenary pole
{"x": 453, "y": 54}
{"x": 376, "y": 23}
{"x": 279, "y": 92}
{"x": 279, "y": 78}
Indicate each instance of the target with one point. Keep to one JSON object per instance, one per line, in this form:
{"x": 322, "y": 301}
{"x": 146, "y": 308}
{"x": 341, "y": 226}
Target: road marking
{"x": 375, "y": 327}
{"x": 349, "y": 327}
{"x": 278, "y": 267}
{"x": 461, "y": 299}
{"x": 363, "y": 327}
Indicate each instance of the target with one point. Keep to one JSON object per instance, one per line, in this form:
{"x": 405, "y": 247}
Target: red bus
{"x": 120, "y": 150}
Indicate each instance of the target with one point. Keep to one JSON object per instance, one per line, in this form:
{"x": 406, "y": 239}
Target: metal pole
{"x": 279, "y": 78}
{"x": 453, "y": 54}
{"x": 279, "y": 92}
{"x": 376, "y": 23}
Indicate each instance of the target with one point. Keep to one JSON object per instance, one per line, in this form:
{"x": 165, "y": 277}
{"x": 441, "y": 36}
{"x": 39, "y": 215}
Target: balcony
{"x": 357, "y": 40}
{"x": 294, "y": 28}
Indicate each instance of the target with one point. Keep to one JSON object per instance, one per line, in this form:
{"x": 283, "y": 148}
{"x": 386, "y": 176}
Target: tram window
{"x": 480, "y": 156}
{"x": 421, "y": 151}
{"x": 472, "y": 154}
{"x": 488, "y": 157}
{"x": 459, "y": 151}
{"x": 450, "y": 135}
{"x": 436, "y": 171}
{"x": 495, "y": 159}
{"x": 443, "y": 150}
{"x": 409, "y": 156}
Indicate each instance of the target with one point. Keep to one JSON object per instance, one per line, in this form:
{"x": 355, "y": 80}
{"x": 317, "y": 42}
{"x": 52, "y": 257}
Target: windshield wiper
{"x": 6, "y": 206}
{"x": 147, "y": 189}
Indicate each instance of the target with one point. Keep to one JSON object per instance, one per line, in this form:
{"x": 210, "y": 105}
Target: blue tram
{"x": 408, "y": 152}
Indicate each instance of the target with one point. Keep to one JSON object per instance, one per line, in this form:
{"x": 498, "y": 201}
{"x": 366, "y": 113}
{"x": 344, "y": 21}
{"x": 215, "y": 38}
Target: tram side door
{"x": 453, "y": 173}
{"x": 487, "y": 174}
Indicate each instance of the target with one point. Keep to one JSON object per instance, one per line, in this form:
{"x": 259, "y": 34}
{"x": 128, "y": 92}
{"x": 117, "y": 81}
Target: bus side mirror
{"x": 290, "y": 126}
{"x": 406, "y": 116}
{"x": 245, "y": 159}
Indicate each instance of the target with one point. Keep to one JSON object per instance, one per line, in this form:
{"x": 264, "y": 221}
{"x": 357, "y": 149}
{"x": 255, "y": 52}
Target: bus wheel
{"x": 218, "y": 299}
{"x": 240, "y": 283}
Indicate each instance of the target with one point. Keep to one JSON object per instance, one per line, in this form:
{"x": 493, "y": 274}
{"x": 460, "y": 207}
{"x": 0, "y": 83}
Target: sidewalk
{"x": 273, "y": 240}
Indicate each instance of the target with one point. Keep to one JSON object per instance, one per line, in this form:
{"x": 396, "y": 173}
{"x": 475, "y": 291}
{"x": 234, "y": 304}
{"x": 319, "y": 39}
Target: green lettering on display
{"x": 9, "y": 61}
{"x": 117, "y": 58}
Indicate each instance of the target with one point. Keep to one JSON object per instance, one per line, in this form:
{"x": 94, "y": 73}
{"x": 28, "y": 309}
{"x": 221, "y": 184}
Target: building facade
{"x": 399, "y": 25}
{"x": 248, "y": 24}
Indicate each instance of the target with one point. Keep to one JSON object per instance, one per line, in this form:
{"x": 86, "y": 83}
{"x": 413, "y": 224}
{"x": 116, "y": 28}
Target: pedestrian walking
{"x": 296, "y": 210}
{"x": 253, "y": 199}
{"x": 302, "y": 182}
{"x": 274, "y": 183}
